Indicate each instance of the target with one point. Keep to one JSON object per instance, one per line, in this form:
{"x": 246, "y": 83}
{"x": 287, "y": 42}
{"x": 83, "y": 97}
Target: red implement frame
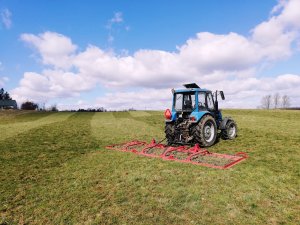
{"x": 194, "y": 155}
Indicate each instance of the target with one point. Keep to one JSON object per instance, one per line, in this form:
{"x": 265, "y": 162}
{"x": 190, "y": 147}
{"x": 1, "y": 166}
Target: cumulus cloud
{"x": 6, "y": 18}
{"x": 149, "y": 98}
{"x": 277, "y": 8}
{"x": 55, "y": 49}
{"x": 239, "y": 93}
{"x": 227, "y": 61}
{"x": 51, "y": 84}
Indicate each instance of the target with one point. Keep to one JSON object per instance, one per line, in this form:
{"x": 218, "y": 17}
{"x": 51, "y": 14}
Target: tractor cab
{"x": 193, "y": 102}
{"x": 200, "y": 100}
{"x": 190, "y": 106}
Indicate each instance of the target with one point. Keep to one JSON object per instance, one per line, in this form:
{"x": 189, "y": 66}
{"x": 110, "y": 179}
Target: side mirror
{"x": 222, "y": 95}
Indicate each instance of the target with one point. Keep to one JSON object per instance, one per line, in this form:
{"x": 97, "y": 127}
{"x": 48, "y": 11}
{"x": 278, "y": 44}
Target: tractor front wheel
{"x": 205, "y": 132}
{"x": 230, "y": 131}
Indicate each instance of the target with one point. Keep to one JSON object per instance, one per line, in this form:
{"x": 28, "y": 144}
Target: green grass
{"x": 54, "y": 169}
{"x": 22, "y": 122}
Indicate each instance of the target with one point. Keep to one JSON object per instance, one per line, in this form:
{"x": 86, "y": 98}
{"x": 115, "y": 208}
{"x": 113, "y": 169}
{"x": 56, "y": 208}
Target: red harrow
{"x": 186, "y": 154}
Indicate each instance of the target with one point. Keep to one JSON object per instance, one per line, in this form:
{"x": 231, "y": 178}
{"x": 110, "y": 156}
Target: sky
{"x": 130, "y": 54}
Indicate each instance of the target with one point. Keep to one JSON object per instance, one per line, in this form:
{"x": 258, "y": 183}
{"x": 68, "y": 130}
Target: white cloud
{"x": 277, "y": 8}
{"x": 51, "y": 84}
{"x": 275, "y": 36}
{"x": 118, "y": 18}
{"x": 229, "y": 62}
{"x": 6, "y": 18}
{"x": 239, "y": 93}
{"x": 208, "y": 52}
{"x": 55, "y": 49}
{"x": 149, "y": 98}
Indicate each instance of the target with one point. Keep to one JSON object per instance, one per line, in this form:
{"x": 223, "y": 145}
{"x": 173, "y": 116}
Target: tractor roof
{"x": 191, "y": 85}
{"x": 190, "y": 88}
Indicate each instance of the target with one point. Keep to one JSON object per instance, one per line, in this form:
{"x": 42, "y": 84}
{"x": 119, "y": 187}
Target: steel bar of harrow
{"x": 194, "y": 155}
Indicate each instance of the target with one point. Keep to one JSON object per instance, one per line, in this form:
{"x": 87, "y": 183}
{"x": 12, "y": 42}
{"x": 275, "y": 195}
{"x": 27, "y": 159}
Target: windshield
{"x": 184, "y": 101}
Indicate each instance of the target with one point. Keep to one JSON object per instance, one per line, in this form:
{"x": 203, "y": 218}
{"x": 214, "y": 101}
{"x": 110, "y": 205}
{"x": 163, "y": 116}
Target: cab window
{"x": 184, "y": 101}
{"x": 210, "y": 101}
{"x": 201, "y": 101}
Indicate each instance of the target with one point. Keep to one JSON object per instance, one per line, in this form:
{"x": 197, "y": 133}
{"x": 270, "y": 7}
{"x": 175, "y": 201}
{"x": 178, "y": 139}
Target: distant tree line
{"x": 276, "y": 101}
{"x": 28, "y": 105}
{"x": 4, "y": 95}
{"x": 100, "y": 109}
{"x": 31, "y": 105}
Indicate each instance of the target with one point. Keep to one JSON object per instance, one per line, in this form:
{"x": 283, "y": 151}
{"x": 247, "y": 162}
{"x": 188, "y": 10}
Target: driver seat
{"x": 188, "y": 105}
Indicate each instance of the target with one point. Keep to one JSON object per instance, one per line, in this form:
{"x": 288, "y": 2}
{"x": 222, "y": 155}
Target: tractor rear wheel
{"x": 230, "y": 131}
{"x": 170, "y": 133}
{"x": 205, "y": 132}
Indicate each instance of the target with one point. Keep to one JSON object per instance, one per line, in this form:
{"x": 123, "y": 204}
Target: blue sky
{"x": 46, "y": 47}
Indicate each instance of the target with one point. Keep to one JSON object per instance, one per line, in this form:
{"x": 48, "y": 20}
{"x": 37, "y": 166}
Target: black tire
{"x": 205, "y": 132}
{"x": 230, "y": 131}
{"x": 170, "y": 133}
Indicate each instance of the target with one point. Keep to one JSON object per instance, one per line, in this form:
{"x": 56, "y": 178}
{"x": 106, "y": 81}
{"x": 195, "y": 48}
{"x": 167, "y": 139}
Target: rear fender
{"x": 199, "y": 115}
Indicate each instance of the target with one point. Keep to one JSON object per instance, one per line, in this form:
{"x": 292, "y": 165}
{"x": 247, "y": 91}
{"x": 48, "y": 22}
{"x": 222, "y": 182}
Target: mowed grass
{"x": 56, "y": 170}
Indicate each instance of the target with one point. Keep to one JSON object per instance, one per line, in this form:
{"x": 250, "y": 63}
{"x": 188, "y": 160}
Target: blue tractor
{"x": 196, "y": 118}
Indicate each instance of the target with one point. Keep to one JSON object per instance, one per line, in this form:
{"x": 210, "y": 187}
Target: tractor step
{"x": 186, "y": 154}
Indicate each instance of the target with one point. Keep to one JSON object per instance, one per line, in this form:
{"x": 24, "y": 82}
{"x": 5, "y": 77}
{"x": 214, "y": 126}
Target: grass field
{"x": 54, "y": 169}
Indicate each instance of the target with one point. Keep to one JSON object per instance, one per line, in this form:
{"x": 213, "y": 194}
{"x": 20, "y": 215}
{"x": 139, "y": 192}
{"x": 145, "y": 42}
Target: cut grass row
{"x": 60, "y": 173}
{"x": 24, "y": 122}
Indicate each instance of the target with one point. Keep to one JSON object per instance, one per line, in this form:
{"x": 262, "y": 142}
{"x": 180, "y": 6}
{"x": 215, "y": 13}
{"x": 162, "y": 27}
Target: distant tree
{"x": 42, "y": 106}
{"x": 276, "y": 100}
{"x": 91, "y": 110}
{"x": 285, "y": 101}
{"x": 100, "y": 109}
{"x": 6, "y": 96}
{"x": 28, "y": 105}
{"x": 266, "y": 102}
{"x": 1, "y": 94}
{"x": 53, "y": 108}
